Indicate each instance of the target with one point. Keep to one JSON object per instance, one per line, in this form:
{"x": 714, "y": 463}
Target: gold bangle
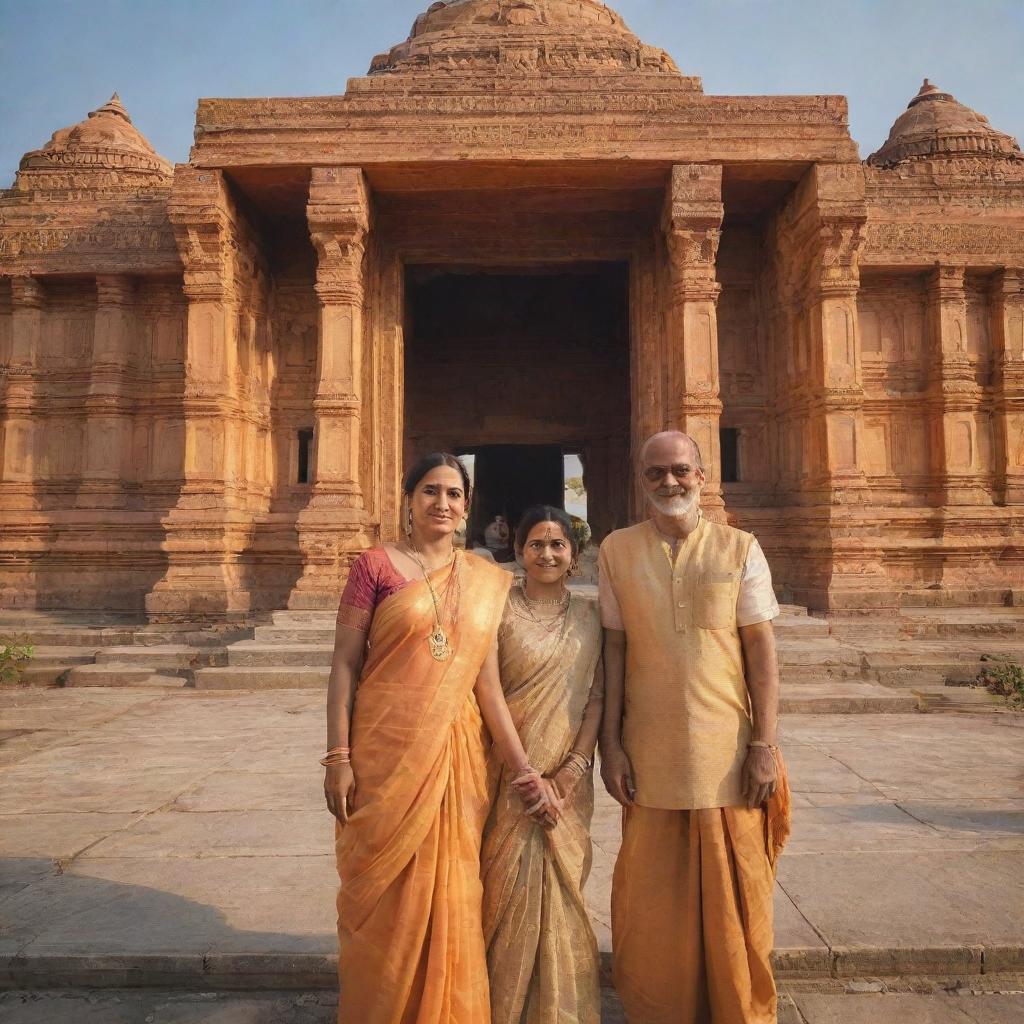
{"x": 762, "y": 743}
{"x": 328, "y": 761}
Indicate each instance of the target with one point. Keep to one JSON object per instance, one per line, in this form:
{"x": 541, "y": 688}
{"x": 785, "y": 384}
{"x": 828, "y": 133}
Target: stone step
{"x": 786, "y": 628}
{"x": 45, "y": 657}
{"x": 792, "y": 610}
{"x": 253, "y": 652}
{"x": 164, "y": 656}
{"x": 845, "y": 698}
{"x": 73, "y": 636}
{"x": 122, "y": 674}
{"x": 42, "y": 675}
{"x": 289, "y": 617}
{"x": 963, "y": 699}
{"x": 972, "y": 623}
{"x": 799, "y": 627}
{"x": 295, "y": 634}
{"x": 259, "y": 677}
{"x": 49, "y": 664}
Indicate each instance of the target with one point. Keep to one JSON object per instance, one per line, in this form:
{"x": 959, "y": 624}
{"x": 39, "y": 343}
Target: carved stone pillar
{"x": 836, "y": 385}
{"x": 332, "y": 523}
{"x": 1008, "y": 404}
{"x": 109, "y": 424}
{"x": 19, "y": 448}
{"x": 692, "y": 225}
{"x": 953, "y": 395}
{"x": 203, "y": 576}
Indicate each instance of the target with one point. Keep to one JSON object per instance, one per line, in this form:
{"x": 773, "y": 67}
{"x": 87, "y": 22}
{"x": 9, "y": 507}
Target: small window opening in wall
{"x": 305, "y": 452}
{"x": 729, "y": 441}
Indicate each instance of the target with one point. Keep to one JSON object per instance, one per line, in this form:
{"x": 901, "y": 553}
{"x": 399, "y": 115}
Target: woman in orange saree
{"x": 406, "y": 764}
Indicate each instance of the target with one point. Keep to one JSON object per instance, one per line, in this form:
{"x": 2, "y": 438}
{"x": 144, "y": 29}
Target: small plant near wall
{"x": 1004, "y": 678}
{"x": 15, "y": 654}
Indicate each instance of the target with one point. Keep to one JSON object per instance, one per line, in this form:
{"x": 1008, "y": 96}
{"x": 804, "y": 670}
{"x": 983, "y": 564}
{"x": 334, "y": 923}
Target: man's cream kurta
{"x": 687, "y": 713}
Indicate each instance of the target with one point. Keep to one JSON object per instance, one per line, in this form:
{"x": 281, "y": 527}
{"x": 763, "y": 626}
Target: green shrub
{"x": 15, "y": 654}
{"x": 1004, "y": 678}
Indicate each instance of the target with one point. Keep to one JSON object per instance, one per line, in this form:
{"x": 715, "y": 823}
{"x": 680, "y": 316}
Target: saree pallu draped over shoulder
{"x": 541, "y": 948}
{"x": 409, "y": 931}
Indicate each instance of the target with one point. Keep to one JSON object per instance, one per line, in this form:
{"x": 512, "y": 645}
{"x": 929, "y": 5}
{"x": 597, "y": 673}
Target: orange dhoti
{"x": 692, "y": 917}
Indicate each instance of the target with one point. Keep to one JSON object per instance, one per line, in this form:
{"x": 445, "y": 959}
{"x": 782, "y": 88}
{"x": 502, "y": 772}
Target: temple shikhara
{"x": 524, "y": 233}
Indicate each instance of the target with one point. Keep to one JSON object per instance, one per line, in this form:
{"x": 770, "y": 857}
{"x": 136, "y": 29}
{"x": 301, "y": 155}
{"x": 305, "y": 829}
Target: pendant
{"x": 440, "y": 649}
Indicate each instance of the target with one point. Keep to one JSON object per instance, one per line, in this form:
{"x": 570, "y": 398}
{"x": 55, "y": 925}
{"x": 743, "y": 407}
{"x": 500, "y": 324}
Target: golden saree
{"x": 410, "y": 941}
{"x": 541, "y": 951}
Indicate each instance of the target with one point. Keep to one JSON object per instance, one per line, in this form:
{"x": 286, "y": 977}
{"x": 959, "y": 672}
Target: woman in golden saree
{"x": 541, "y": 951}
{"x": 406, "y": 764}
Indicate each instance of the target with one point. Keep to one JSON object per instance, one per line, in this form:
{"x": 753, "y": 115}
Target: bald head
{"x": 663, "y": 447}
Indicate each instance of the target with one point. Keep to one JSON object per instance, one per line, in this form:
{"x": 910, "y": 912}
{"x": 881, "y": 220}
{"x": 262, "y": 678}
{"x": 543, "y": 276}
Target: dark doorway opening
{"x": 521, "y": 367}
{"x": 509, "y": 478}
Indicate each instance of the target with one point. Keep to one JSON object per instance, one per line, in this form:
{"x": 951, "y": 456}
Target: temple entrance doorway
{"x": 509, "y": 478}
{"x": 521, "y": 367}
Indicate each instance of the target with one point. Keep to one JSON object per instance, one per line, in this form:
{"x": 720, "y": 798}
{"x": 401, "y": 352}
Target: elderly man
{"x": 688, "y": 748}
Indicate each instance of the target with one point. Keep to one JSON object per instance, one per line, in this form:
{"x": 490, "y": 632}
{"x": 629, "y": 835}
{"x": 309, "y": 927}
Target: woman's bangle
{"x": 762, "y": 743}
{"x": 337, "y": 755}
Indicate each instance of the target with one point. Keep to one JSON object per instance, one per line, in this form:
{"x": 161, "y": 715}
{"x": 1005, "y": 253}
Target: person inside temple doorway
{"x": 496, "y": 537}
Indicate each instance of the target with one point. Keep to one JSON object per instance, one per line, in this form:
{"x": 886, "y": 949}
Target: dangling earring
{"x": 574, "y": 567}
{"x": 408, "y": 518}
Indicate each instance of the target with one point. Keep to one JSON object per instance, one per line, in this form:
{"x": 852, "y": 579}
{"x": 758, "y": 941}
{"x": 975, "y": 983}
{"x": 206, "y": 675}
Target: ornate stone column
{"x": 331, "y": 526}
{"x": 953, "y": 395}
{"x": 203, "y": 575}
{"x": 1008, "y": 403}
{"x": 836, "y": 384}
{"x": 109, "y": 424}
{"x": 19, "y": 449}
{"x": 692, "y": 225}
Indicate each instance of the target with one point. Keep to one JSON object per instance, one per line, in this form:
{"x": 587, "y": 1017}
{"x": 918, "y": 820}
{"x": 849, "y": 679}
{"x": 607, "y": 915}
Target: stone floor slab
{"x": 257, "y": 791}
{"x": 59, "y": 835}
{"x": 907, "y": 899}
{"x": 248, "y": 833}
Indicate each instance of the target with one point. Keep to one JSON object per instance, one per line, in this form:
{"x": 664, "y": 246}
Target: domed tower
{"x": 522, "y": 37}
{"x": 937, "y": 125}
{"x": 103, "y": 150}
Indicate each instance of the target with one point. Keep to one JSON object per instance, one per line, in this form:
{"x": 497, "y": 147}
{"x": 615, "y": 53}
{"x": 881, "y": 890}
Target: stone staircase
{"x": 922, "y": 660}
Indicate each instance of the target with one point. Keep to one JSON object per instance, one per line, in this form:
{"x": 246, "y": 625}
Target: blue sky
{"x": 58, "y": 60}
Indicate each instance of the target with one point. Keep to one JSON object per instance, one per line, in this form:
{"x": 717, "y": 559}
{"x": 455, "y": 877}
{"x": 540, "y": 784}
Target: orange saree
{"x": 411, "y": 947}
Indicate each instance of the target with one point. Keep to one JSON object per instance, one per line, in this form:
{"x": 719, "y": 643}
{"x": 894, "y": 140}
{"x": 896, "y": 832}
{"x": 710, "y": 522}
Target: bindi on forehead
{"x": 547, "y": 532}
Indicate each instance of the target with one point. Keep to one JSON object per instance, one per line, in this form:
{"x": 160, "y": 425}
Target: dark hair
{"x": 423, "y": 466}
{"x": 546, "y": 514}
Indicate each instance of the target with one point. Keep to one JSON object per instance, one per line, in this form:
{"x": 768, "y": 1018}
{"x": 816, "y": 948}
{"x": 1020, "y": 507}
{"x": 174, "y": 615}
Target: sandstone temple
{"x": 523, "y": 233}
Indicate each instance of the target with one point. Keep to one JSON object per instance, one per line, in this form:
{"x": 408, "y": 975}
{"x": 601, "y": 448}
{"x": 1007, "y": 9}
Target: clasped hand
{"x": 540, "y": 797}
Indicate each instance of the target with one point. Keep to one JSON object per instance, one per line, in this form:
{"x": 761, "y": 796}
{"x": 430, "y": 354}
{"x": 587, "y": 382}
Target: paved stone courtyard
{"x": 177, "y": 840}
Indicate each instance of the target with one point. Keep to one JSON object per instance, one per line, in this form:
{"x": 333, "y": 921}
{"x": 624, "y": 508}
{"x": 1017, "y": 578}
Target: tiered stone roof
{"x": 937, "y": 125}
{"x": 106, "y": 144}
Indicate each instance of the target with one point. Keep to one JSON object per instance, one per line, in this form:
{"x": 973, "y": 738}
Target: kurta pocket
{"x": 714, "y": 600}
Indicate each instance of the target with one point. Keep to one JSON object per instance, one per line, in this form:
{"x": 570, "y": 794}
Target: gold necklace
{"x": 548, "y": 625}
{"x": 440, "y": 646}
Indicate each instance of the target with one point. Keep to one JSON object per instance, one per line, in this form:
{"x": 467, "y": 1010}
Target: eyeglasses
{"x": 654, "y": 474}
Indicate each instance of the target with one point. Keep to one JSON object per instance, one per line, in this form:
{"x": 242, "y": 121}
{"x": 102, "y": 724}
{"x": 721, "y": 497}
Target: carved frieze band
{"x": 931, "y": 241}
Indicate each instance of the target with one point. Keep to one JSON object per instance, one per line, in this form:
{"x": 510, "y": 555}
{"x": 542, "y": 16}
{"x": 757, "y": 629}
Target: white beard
{"x": 679, "y": 506}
